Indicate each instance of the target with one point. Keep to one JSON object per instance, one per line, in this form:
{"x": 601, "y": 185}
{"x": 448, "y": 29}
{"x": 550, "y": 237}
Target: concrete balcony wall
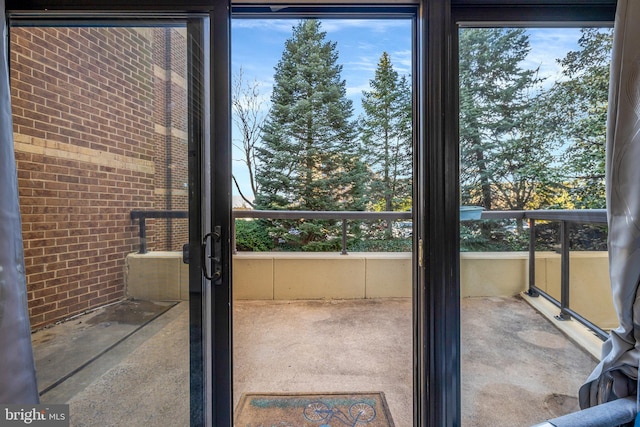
{"x": 486, "y": 274}
{"x": 157, "y": 276}
{"x": 291, "y": 275}
{"x": 297, "y": 275}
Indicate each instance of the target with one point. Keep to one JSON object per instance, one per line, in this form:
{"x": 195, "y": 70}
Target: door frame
{"x": 437, "y": 279}
{"x": 414, "y": 13}
{"x": 438, "y": 323}
{"x": 209, "y": 202}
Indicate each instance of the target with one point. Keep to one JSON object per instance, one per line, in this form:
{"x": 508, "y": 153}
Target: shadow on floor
{"x": 64, "y": 349}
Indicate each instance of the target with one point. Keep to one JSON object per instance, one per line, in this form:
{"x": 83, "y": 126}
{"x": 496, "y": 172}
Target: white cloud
{"x": 277, "y": 25}
{"x": 373, "y": 25}
{"x": 327, "y": 25}
{"x": 547, "y": 46}
{"x": 402, "y": 61}
{"x": 356, "y": 91}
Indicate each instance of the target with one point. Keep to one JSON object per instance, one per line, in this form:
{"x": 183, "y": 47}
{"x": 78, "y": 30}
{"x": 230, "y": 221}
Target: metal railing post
{"x": 234, "y": 248}
{"x": 143, "y": 235}
{"x": 141, "y": 216}
{"x": 564, "y": 271}
{"x": 532, "y": 259}
{"x": 344, "y": 236}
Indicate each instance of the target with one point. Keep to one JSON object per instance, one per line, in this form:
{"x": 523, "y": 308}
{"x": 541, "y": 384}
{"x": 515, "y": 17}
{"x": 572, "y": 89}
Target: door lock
{"x": 186, "y": 256}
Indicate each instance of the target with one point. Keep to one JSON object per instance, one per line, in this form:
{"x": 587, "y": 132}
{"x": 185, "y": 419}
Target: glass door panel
{"x": 323, "y": 122}
{"x": 533, "y": 105}
{"x": 104, "y": 118}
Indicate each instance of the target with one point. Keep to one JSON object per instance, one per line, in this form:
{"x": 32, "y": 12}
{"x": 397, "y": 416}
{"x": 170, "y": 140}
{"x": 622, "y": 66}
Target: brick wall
{"x": 90, "y": 139}
{"x": 170, "y": 113}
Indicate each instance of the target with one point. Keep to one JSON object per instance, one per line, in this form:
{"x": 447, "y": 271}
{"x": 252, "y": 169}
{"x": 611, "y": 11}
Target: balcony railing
{"x": 342, "y": 216}
{"x": 566, "y": 218}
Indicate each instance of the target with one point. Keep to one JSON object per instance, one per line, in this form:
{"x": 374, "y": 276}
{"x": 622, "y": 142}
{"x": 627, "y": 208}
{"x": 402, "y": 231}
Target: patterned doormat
{"x": 313, "y": 410}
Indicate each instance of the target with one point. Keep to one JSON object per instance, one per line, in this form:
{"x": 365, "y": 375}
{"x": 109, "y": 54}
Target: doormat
{"x": 313, "y": 410}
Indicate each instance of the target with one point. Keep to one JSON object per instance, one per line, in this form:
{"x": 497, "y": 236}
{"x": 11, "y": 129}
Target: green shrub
{"x": 380, "y": 245}
{"x": 252, "y": 235}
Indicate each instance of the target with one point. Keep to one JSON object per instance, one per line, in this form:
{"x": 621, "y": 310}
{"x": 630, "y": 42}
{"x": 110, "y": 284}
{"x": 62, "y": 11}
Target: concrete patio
{"x": 517, "y": 368}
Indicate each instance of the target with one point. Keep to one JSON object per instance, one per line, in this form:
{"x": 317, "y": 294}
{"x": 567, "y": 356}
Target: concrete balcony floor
{"x": 517, "y": 368}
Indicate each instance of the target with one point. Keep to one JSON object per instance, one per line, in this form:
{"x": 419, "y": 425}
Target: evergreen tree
{"x": 309, "y": 160}
{"x": 525, "y": 165}
{"x": 386, "y": 134}
{"x": 580, "y": 104}
{"x": 506, "y": 152}
{"x": 507, "y": 148}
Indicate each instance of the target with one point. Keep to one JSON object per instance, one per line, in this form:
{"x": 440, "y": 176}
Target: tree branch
{"x": 235, "y": 181}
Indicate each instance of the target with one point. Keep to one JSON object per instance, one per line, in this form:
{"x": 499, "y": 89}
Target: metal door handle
{"x": 216, "y": 258}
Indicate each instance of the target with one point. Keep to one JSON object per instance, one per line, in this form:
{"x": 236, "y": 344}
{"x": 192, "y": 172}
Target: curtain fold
{"x": 616, "y": 375}
{"x": 17, "y": 368}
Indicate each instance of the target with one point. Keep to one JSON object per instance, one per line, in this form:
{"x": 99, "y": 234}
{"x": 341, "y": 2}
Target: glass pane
{"x": 323, "y": 123}
{"x": 533, "y": 105}
{"x": 100, "y": 126}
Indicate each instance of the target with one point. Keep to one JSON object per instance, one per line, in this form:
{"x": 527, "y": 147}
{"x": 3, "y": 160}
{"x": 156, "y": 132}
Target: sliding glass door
{"x": 121, "y": 178}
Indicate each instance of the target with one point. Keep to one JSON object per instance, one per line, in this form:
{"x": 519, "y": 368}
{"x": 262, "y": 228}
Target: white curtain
{"x": 17, "y": 369}
{"x": 616, "y": 375}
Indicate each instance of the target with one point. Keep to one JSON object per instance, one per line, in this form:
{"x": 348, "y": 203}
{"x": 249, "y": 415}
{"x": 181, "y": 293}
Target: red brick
{"x": 98, "y": 92}
{"x": 60, "y": 313}
{"x": 79, "y": 307}
{"x": 68, "y": 302}
{"x": 42, "y": 308}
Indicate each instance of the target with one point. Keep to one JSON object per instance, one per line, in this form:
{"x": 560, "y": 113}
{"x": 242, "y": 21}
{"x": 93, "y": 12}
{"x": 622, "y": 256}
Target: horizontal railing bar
{"x": 577, "y": 215}
{"x": 586, "y": 215}
{"x": 597, "y": 216}
{"x": 572, "y": 215}
{"x": 546, "y": 296}
{"x": 321, "y": 214}
{"x": 282, "y": 214}
{"x": 599, "y": 332}
{"x": 503, "y": 215}
{"x": 158, "y": 214}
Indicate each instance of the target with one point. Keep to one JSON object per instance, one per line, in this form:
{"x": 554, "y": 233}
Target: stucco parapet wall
{"x": 289, "y": 275}
{"x": 157, "y": 276}
{"x": 322, "y": 255}
{"x": 314, "y": 275}
{"x": 495, "y": 255}
{"x": 301, "y": 275}
{"x": 320, "y": 275}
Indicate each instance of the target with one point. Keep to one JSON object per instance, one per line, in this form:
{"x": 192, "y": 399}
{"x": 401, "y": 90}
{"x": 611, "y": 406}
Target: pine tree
{"x": 387, "y": 137}
{"x": 505, "y": 148}
{"x": 508, "y": 152}
{"x": 309, "y": 160}
{"x": 580, "y": 102}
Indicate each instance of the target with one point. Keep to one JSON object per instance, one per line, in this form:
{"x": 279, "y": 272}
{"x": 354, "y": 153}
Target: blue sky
{"x": 257, "y": 46}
